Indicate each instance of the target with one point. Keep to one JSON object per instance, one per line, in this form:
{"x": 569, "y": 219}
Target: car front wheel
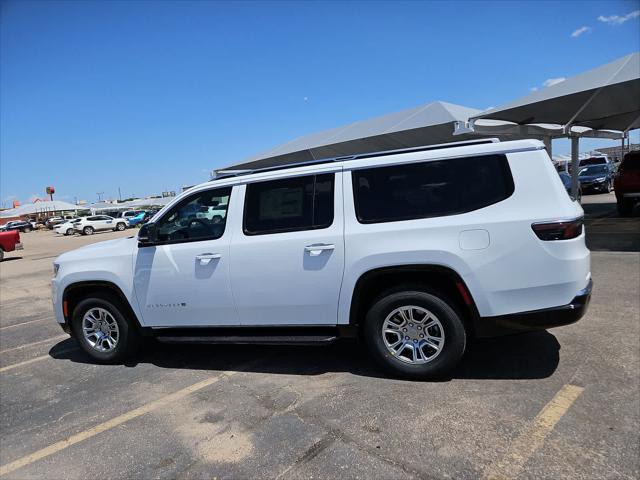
{"x": 100, "y": 326}
{"x": 87, "y": 230}
{"x": 415, "y": 334}
{"x": 69, "y": 231}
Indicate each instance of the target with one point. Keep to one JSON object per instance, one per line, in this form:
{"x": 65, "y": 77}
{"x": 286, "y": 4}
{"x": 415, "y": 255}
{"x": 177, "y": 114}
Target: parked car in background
{"x": 9, "y": 241}
{"x": 20, "y": 225}
{"x": 566, "y": 181}
{"x": 389, "y": 247}
{"x": 67, "y": 228}
{"x": 130, "y": 213}
{"x": 596, "y": 178}
{"x": 96, "y": 223}
{"x": 51, "y": 222}
{"x": 137, "y": 220}
{"x": 627, "y": 183}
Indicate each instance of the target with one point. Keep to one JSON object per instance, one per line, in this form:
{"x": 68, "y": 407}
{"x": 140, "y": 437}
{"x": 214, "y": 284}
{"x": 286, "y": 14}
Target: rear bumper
{"x": 536, "y": 319}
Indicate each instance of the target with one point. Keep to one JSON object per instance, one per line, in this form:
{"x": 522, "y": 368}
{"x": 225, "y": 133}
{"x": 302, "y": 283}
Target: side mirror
{"x": 147, "y": 235}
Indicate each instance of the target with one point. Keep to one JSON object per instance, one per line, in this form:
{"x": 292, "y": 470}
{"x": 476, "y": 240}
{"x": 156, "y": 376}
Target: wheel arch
{"x": 75, "y": 292}
{"x": 373, "y": 283}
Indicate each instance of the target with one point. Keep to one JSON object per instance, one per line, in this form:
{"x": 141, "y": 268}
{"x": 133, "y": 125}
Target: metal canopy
{"x": 605, "y": 98}
{"x": 47, "y": 206}
{"x": 427, "y": 124}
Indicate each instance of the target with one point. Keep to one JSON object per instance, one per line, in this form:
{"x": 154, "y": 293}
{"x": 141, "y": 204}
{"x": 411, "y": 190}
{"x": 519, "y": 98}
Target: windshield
{"x": 593, "y": 170}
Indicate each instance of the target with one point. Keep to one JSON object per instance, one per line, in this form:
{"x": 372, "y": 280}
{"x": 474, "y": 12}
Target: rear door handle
{"x": 205, "y": 258}
{"x": 318, "y": 248}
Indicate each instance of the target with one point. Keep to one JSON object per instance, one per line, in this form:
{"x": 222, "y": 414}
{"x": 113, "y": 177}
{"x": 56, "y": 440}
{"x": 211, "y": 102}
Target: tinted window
{"x": 186, "y": 222}
{"x": 430, "y": 189}
{"x": 290, "y": 204}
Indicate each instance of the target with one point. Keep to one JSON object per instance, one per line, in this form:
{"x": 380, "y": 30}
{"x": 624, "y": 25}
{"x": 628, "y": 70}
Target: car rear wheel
{"x": 120, "y": 227}
{"x": 69, "y": 231}
{"x": 102, "y": 329}
{"x": 1, "y": 254}
{"x": 88, "y": 230}
{"x": 27, "y": 229}
{"x": 415, "y": 334}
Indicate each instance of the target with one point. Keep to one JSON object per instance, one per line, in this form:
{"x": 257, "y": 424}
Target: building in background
{"x": 615, "y": 154}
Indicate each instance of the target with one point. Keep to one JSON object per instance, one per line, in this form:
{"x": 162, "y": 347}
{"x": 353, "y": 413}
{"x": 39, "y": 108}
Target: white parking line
{"x": 36, "y": 359}
{"x": 27, "y": 345}
{"x": 25, "y": 323}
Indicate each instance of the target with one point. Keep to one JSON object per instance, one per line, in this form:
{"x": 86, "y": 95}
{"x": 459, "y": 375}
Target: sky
{"x": 148, "y": 96}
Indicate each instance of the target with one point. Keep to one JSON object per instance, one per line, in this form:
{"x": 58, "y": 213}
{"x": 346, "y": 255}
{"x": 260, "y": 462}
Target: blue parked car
{"x": 596, "y": 178}
{"x": 566, "y": 181}
{"x": 137, "y": 220}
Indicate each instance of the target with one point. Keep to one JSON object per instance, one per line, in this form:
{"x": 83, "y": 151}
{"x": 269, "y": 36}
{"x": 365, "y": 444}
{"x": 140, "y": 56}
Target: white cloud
{"x": 617, "y": 19}
{"x": 553, "y": 81}
{"x": 580, "y": 31}
{"x": 534, "y": 89}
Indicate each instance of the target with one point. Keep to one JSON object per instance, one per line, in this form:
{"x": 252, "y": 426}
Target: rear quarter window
{"x": 430, "y": 189}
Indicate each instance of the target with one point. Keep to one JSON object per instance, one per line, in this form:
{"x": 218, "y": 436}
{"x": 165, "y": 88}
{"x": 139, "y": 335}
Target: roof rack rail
{"x": 232, "y": 172}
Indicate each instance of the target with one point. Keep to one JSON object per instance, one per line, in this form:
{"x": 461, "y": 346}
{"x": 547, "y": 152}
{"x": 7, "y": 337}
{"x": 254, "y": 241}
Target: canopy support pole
{"x": 575, "y": 150}
{"x": 547, "y": 144}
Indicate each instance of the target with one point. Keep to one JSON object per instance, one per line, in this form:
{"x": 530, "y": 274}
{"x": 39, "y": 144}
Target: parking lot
{"x": 557, "y": 404}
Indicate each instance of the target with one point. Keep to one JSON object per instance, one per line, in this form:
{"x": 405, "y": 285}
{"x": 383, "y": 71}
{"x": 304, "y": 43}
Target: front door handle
{"x": 318, "y": 248}
{"x": 205, "y": 258}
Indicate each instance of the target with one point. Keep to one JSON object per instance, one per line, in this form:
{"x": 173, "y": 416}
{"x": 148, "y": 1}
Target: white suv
{"x": 412, "y": 251}
{"x": 96, "y": 223}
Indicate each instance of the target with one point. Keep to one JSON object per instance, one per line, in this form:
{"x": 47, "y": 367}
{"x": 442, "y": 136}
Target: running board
{"x": 252, "y": 339}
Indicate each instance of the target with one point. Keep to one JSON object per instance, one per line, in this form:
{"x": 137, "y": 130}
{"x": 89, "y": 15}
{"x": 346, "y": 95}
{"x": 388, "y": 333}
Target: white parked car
{"x": 96, "y": 223}
{"x": 67, "y": 228}
{"x": 413, "y": 251}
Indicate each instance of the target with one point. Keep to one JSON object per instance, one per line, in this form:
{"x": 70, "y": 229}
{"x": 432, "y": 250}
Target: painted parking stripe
{"x": 27, "y": 345}
{"x": 119, "y": 420}
{"x": 34, "y": 360}
{"x": 25, "y": 323}
{"x": 532, "y": 438}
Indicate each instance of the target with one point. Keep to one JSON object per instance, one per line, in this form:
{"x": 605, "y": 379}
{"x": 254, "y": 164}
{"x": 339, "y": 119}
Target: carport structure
{"x": 601, "y": 103}
{"x": 427, "y": 124}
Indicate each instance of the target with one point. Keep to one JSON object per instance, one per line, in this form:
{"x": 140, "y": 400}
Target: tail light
{"x": 561, "y": 230}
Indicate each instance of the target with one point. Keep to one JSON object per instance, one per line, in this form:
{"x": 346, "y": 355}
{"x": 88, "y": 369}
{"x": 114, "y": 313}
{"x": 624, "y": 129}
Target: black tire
{"x": 128, "y": 336}
{"x": 120, "y": 226}
{"x": 608, "y": 188}
{"x": 625, "y": 207}
{"x": 87, "y": 231}
{"x": 27, "y": 229}
{"x": 69, "y": 231}
{"x": 1, "y": 254}
{"x": 455, "y": 337}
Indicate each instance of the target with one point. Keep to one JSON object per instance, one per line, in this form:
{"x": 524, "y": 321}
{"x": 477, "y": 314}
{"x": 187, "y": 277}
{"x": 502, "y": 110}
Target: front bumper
{"x": 536, "y": 319}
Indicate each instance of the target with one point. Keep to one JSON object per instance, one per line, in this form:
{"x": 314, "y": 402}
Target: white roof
{"x": 605, "y": 98}
{"x": 41, "y": 207}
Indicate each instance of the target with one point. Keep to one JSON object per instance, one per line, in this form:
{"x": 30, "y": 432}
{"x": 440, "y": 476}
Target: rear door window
{"x": 430, "y": 189}
{"x": 289, "y": 204}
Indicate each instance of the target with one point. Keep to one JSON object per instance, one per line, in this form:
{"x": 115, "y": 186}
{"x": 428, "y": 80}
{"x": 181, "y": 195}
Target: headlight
{"x": 56, "y": 267}
{"x": 601, "y": 179}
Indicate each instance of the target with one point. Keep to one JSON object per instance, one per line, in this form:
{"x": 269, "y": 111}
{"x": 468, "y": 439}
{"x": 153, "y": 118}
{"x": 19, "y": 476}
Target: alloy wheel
{"x": 100, "y": 329}
{"x": 413, "y": 334}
